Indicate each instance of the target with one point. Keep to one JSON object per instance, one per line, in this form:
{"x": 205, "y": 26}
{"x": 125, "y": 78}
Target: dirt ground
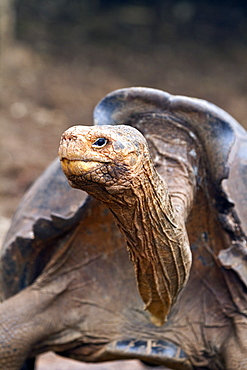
{"x": 50, "y": 361}
{"x": 42, "y": 95}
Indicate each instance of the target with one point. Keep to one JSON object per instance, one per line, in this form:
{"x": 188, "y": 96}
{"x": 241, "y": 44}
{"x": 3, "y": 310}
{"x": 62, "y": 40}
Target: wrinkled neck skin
{"x": 155, "y": 235}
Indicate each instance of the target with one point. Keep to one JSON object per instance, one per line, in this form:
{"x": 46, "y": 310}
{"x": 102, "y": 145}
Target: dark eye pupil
{"x": 100, "y": 142}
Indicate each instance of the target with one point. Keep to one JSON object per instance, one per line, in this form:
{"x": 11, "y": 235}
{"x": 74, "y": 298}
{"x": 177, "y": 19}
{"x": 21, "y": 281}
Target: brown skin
{"x": 113, "y": 164}
{"x": 25, "y": 320}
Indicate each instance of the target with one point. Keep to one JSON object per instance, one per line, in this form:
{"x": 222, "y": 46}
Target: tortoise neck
{"x": 156, "y": 240}
{"x": 147, "y": 206}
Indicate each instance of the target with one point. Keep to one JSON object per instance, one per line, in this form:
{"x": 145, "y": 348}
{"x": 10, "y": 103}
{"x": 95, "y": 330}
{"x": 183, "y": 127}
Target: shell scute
{"x": 49, "y": 209}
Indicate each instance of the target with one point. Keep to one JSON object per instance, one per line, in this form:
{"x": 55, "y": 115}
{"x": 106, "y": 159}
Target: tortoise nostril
{"x": 69, "y": 137}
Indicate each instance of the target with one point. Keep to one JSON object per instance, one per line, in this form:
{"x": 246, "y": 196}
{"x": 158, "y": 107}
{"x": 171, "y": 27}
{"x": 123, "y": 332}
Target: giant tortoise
{"x": 167, "y": 178}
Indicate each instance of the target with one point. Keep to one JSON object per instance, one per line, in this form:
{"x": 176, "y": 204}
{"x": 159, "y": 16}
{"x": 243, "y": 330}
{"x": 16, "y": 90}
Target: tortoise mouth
{"x": 80, "y": 167}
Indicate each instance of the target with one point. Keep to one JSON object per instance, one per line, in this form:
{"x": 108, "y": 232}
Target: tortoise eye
{"x": 100, "y": 143}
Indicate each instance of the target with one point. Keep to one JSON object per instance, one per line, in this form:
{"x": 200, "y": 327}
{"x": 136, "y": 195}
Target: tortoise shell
{"x": 48, "y": 211}
{"x": 51, "y": 211}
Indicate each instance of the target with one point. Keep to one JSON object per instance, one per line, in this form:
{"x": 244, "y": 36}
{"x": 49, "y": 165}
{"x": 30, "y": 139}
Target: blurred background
{"x": 60, "y": 57}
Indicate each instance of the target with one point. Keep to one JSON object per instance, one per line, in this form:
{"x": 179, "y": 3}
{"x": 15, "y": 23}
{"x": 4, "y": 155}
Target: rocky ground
{"x": 43, "y": 94}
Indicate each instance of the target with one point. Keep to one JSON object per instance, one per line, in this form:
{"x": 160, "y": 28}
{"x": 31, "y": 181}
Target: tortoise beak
{"x": 78, "y": 167}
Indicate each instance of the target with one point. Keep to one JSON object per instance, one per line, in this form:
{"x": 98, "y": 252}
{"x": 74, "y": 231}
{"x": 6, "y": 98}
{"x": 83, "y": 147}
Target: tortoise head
{"x": 105, "y": 156}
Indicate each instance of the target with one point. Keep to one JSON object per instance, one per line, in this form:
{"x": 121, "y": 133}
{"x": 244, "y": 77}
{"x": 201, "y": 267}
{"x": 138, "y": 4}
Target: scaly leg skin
{"x": 23, "y": 322}
{"x": 236, "y": 349}
{"x": 14, "y": 333}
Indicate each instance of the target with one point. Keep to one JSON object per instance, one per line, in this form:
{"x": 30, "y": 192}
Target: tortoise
{"x": 166, "y": 177}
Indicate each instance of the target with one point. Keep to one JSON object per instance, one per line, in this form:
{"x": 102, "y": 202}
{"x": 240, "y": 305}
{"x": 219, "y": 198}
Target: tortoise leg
{"x": 235, "y": 351}
{"x": 25, "y": 319}
{"x": 18, "y": 331}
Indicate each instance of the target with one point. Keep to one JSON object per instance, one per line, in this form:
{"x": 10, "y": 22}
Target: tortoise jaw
{"x": 78, "y": 167}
